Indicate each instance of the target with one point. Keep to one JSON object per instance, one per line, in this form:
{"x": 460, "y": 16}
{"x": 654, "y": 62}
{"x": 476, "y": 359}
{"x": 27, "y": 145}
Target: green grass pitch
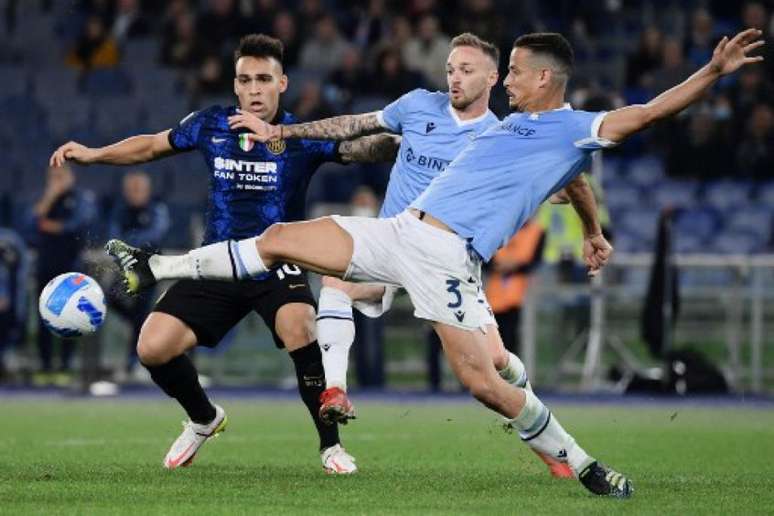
{"x": 104, "y": 457}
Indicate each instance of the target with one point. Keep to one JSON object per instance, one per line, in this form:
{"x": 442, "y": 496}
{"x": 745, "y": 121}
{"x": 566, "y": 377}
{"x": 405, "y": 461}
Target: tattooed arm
{"x": 370, "y": 149}
{"x": 343, "y": 127}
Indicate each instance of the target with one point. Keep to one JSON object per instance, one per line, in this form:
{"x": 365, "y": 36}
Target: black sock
{"x": 311, "y": 383}
{"x": 178, "y": 378}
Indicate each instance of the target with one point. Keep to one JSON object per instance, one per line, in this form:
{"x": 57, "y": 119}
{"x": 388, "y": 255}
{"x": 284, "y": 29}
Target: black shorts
{"x": 211, "y": 308}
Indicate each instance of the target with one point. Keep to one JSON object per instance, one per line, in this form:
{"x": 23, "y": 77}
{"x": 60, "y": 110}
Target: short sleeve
{"x": 185, "y": 135}
{"x": 394, "y": 114}
{"x": 586, "y": 129}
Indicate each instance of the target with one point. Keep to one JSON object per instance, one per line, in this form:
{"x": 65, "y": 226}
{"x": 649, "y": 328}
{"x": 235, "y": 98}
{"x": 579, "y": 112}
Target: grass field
{"x": 85, "y": 457}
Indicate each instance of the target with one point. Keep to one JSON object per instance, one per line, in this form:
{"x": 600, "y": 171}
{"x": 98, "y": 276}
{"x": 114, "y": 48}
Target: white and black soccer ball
{"x": 72, "y": 305}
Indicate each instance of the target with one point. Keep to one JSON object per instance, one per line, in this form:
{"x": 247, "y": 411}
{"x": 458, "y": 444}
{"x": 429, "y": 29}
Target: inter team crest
{"x": 276, "y": 146}
{"x": 245, "y": 143}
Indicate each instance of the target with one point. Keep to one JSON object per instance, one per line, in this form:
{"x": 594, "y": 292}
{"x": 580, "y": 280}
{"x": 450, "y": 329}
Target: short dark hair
{"x": 550, "y": 44}
{"x": 468, "y": 39}
{"x": 259, "y": 45}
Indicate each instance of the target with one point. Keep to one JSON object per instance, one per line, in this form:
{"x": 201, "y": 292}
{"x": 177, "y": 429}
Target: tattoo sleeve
{"x": 582, "y": 198}
{"x": 370, "y": 149}
{"x": 342, "y": 127}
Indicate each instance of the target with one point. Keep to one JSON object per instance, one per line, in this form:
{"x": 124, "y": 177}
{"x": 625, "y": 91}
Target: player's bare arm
{"x": 382, "y": 147}
{"x": 133, "y": 150}
{"x": 596, "y": 249}
{"x": 342, "y": 127}
{"x": 728, "y": 56}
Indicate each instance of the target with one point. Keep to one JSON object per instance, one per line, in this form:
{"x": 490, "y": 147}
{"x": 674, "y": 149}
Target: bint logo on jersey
{"x": 245, "y": 143}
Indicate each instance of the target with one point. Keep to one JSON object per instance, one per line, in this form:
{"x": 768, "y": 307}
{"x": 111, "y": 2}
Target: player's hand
{"x": 560, "y": 197}
{"x": 72, "y": 151}
{"x": 261, "y": 131}
{"x": 732, "y": 54}
{"x": 596, "y": 253}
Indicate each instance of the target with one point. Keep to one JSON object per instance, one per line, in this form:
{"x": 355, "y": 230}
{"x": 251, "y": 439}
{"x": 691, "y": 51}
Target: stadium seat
{"x": 700, "y": 223}
{"x": 14, "y": 80}
{"x": 645, "y": 171}
{"x": 106, "y": 82}
{"x": 724, "y": 195}
{"x": 623, "y": 194}
{"x": 678, "y": 194}
{"x": 640, "y": 223}
{"x": 141, "y": 51}
{"x": 737, "y": 242}
{"x": 368, "y": 104}
{"x": 755, "y": 219}
{"x": 117, "y": 117}
{"x": 764, "y": 193}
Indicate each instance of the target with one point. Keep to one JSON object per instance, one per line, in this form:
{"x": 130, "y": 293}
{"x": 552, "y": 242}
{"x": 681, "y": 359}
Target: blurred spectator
{"x": 426, "y": 52}
{"x": 324, "y": 51}
{"x": 259, "y": 15}
{"x": 95, "y": 47}
{"x": 391, "y": 78}
{"x": 400, "y": 32}
{"x": 755, "y": 15}
{"x": 211, "y": 79}
{"x": 370, "y": 24}
{"x": 751, "y": 89}
{"x": 645, "y": 60}
{"x": 368, "y": 346}
{"x": 482, "y": 19}
{"x": 220, "y": 25}
{"x": 308, "y": 13}
{"x": 180, "y": 46}
{"x": 129, "y": 21}
{"x": 756, "y": 151}
{"x": 142, "y": 221}
{"x": 701, "y": 40}
{"x": 696, "y": 149}
{"x": 285, "y": 29}
{"x": 673, "y": 69}
{"x": 60, "y": 219}
{"x": 310, "y": 104}
{"x": 508, "y": 280}
{"x": 14, "y": 271}
{"x": 349, "y": 78}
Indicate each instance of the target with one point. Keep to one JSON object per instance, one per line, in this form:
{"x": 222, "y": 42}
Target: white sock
{"x": 542, "y": 431}
{"x": 515, "y": 373}
{"x": 335, "y": 334}
{"x": 230, "y": 261}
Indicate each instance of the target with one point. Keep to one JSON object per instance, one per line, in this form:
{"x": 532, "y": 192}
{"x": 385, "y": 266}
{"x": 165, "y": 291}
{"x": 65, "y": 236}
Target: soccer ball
{"x": 72, "y": 305}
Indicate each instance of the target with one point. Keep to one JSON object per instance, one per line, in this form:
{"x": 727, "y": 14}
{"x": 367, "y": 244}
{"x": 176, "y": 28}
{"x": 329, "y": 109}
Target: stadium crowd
{"x": 132, "y": 66}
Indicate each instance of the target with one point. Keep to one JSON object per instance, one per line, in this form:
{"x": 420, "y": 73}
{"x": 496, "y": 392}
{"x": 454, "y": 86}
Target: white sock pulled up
{"x": 335, "y": 334}
{"x": 541, "y": 430}
{"x": 228, "y": 261}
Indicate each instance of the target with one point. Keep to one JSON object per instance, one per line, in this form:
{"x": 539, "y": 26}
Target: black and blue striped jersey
{"x": 252, "y": 185}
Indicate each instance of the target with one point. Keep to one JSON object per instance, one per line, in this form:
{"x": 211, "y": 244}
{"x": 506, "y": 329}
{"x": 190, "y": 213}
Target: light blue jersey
{"x": 432, "y": 136}
{"x": 490, "y": 190}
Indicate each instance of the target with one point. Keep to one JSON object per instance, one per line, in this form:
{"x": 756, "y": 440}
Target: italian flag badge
{"x": 245, "y": 143}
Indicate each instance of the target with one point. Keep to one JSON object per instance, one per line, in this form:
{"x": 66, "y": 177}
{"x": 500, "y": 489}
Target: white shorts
{"x": 378, "y": 307}
{"x": 438, "y": 270}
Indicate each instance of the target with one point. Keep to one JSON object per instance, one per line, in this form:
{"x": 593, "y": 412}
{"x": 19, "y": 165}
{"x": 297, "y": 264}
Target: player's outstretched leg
{"x": 134, "y": 265}
{"x": 515, "y": 374}
{"x": 524, "y": 411}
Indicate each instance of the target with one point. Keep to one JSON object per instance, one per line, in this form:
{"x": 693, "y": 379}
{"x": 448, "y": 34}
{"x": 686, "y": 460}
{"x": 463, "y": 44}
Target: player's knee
{"x": 295, "y": 325}
{"x": 154, "y": 349}
{"x": 270, "y": 242}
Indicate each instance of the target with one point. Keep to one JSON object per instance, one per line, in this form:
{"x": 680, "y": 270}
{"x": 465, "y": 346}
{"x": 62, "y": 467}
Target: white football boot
{"x": 184, "y": 449}
{"x": 337, "y": 461}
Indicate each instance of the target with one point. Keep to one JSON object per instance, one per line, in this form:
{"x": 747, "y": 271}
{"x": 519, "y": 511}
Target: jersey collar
{"x": 565, "y": 107}
{"x": 466, "y": 122}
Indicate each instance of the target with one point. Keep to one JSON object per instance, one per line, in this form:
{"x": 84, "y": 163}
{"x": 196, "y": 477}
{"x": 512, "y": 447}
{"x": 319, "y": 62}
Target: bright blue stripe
{"x": 342, "y": 313}
{"x": 58, "y": 298}
{"x": 242, "y": 272}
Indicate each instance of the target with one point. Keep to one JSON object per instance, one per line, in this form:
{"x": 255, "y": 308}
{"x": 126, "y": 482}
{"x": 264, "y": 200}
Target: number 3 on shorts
{"x": 454, "y": 289}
